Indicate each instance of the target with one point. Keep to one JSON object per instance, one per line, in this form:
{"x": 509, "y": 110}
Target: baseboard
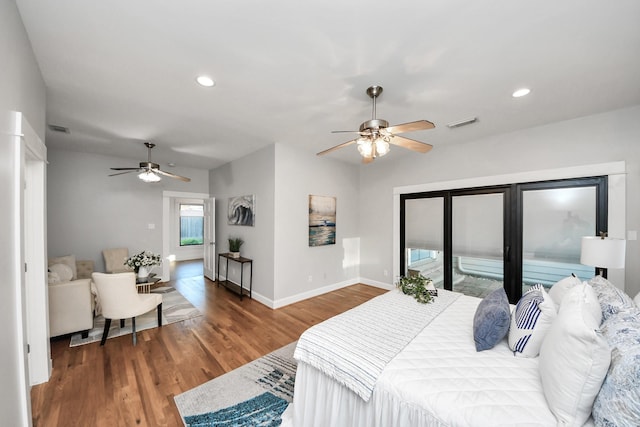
{"x": 316, "y": 292}
{"x": 377, "y": 284}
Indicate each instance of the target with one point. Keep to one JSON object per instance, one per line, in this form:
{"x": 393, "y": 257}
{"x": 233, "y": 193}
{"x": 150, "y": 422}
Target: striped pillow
{"x": 530, "y": 321}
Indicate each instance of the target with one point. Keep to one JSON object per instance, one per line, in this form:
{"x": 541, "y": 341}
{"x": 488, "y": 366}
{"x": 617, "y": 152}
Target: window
{"x": 474, "y": 240}
{"x": 191, "y": 225}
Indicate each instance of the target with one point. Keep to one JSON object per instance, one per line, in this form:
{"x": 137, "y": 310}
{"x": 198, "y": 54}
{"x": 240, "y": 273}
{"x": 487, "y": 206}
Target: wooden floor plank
{"x": 123, "y": 385}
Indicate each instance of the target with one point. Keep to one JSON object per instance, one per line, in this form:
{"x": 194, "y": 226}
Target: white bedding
{"x": 436, "y": 380}
{"x": 355, "y": 347}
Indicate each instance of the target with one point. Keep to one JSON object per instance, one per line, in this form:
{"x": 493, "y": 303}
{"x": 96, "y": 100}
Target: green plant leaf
{"x": 416, "y": 286}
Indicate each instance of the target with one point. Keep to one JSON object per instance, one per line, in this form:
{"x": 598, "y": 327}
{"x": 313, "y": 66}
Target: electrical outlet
{"x": 310, "y": 278}
{"x": 386, "y": 273}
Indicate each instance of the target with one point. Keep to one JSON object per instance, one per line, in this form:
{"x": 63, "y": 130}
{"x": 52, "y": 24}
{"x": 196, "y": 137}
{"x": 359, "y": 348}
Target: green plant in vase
{"x": 234, "y": 246}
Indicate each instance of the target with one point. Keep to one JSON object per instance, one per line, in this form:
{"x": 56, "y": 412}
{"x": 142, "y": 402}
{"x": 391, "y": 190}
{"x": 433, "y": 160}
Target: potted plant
{"x": 418, "y": 286}
{"x": 143, "y": 262}
{"x": 234, "y": 246}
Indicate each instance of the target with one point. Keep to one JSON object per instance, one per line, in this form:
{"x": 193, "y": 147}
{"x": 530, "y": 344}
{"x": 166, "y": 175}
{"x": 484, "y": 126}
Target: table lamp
{"x": 602, "y": 252}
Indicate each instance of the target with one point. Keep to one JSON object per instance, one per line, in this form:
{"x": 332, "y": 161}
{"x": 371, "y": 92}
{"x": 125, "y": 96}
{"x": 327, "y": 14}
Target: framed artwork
{"x": 242, "y": 210}
{"x": 322, "y": 220}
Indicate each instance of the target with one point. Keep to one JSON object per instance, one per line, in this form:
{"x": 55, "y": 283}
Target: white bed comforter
{"x": 354, "y": 348}
{"x": 436, "y": 380}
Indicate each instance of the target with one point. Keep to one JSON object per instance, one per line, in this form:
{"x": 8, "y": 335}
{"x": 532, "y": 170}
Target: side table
{"x": 242, "y": 261}
{"x": 144, "y": 285}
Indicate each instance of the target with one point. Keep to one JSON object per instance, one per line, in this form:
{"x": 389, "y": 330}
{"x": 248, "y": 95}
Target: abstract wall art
{"x": 322, "y": 220}
{"x": 242, "y": 210}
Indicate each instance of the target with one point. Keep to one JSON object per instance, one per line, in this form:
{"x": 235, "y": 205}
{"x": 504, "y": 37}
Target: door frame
{"x": 166, "y": 226}
{"x": 616, "y": 189}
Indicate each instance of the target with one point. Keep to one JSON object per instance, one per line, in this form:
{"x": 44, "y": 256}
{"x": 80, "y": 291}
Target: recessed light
{"x": 205, "y": 81}
{"x": 521, "y": 92}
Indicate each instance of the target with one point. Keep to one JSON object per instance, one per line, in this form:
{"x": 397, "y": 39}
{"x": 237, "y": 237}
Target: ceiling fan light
{"x": 382, "y": 146}
{"x": 365, "y": 148}
{"x": 148, "y": 176}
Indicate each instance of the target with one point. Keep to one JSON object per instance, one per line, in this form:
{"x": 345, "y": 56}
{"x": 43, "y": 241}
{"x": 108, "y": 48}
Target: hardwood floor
{"x": 123, "y": 385}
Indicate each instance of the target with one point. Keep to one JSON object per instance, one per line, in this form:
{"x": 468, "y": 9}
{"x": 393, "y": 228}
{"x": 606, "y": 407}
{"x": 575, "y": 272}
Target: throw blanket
{"x": 353, "y": 348}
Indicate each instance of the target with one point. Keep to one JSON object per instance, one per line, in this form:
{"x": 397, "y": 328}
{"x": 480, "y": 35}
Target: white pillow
{"x": 63, "y": 271}
{"x": 637, "y": 299}
{"x": 574, "y": 358}
{"x": 560, "y": 288}
{"x": 53, "y": 278}
{"x": 530, "y": 321}
{"x": 69, "y": 260}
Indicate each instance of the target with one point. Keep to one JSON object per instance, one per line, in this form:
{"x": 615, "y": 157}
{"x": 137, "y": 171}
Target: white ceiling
{"x": 121, "y": 72}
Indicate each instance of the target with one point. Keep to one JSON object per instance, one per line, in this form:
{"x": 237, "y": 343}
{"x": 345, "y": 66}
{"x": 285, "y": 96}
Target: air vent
{"x": 57, "y": 128}
{"x": 462, "y": 123}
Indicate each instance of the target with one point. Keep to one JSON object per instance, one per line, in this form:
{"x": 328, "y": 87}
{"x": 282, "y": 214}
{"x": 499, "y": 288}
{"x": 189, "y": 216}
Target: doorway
{"x": 171, "y": 229}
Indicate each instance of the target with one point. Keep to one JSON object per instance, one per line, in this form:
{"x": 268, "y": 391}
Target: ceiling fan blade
{"x": 124, "y": 169}
{"x": 345, "y": 131}
{"x": 410, "y": 127}
{"x": 411, "y": 144}
{"x": 171, "y": 175}
{"x": 122, "y": 173}
{"x": 344, "y": 144}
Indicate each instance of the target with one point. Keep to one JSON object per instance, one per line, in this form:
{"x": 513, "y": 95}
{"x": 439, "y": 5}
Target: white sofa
{"x": 71, "y": 302}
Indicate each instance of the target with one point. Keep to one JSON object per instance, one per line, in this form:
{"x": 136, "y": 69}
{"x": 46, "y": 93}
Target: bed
{"x": 437, "y": 378}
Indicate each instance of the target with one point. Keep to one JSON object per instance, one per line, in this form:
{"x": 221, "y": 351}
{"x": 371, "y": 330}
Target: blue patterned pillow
{"x": 491, "y": 320}
{"x": 618, "y": 402}
{"x": 612, "y": 300}
{"x": 530, "y": 321}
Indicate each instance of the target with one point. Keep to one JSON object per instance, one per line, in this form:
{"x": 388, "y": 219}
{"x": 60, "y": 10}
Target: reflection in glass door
{"x": 424, "y": 238}
{"x": 554, "y": 221}
{"x": 477, "y": 245}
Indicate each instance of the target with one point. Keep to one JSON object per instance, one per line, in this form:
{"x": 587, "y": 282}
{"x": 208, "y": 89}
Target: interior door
{"x": 210, "y": 238}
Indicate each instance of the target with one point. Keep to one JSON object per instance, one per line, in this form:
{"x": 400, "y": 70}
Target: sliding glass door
{"x": 424, "y": 242}
{"x": 554, "y": 220}
{"x": 478, "y": 242}
{"x": 478, "y": 239}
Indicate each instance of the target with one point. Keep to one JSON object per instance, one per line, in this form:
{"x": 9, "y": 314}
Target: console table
{"x": 242, "y": 261}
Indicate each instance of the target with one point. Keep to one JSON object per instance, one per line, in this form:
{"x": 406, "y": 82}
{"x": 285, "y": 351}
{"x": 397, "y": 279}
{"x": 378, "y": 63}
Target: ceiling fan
{"x": 376, "y": 134}
{"x": 148, "y": 171}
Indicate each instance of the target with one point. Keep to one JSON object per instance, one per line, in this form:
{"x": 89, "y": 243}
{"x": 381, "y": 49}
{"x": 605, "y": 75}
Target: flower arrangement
{"x": 417, "y": 286}
{"x": 143, "y": 259}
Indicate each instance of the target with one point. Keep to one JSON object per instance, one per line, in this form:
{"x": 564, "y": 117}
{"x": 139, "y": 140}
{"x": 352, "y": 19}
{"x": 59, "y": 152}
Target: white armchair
{"x": 114, "y": 260}
{"x": 119, "y": 299}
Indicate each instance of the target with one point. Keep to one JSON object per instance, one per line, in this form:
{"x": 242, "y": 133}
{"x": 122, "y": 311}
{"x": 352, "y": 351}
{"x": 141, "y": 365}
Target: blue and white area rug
{"x": 255, "y": 394}
{"x": 175, "y": 308}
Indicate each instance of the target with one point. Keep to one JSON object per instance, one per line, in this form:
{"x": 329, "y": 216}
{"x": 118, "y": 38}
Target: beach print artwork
{"x": 322, "y": 220}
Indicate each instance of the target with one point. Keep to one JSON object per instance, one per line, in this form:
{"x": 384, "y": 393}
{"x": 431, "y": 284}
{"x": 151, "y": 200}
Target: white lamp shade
{"x": 602, "y": 253}
{"x": 149, "y": 176}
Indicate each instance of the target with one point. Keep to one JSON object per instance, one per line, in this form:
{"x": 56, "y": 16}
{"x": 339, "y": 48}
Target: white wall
{"x": 252, "y": 174}
{"x": 298, "y": 175}
{"x": 282, "y": 178}
{"x": 21, "y": 89}
{"x": 607, "y": 137}
{"x": 90, "y": 211}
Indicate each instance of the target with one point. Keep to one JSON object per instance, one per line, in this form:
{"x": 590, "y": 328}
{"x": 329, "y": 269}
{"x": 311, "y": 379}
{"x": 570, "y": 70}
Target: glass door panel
{"x": 424, "y": 244}
{"x": 477, "y": 243}
{"x": 554, "y": 221}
